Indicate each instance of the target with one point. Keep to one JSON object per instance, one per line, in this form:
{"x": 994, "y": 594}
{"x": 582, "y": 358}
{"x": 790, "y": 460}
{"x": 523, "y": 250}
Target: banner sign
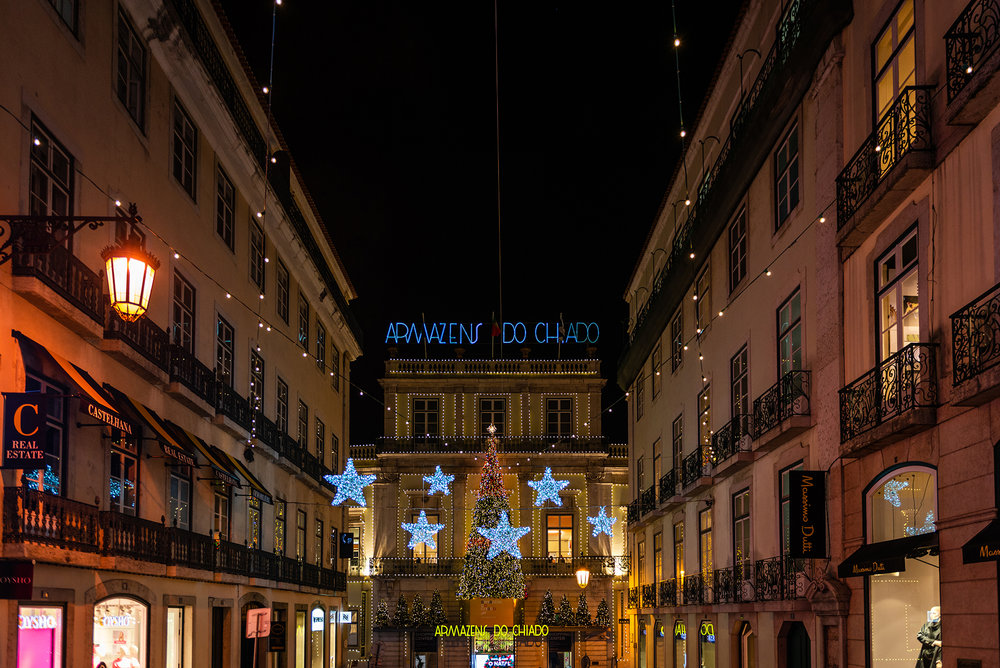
{"x": 346, "y": 545}
{"x": 24, "y": 430}
{"x": 16, "y": 579}
{"x": 470, "y": 333}
{"x": 807, "y": 514}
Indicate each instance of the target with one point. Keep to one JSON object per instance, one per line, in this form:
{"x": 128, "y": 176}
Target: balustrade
{"x": 975, "y": 334}
{"x": 788, "y": 397}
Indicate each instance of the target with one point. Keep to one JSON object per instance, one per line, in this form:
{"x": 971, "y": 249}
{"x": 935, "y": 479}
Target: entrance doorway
{"x": 560, "y": 650}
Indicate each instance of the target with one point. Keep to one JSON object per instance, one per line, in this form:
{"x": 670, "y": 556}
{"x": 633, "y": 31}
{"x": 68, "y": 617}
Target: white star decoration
{"x": 422, "y": 531}
{"x": 928, "y": 526}
{"x": 439, "y": 482}
{"x": 602, "y": 523}
{"x": 503, "y": 537}
{"x": 547, "y": 489}
{"x": 350, "y": 485}
{"x": 890, "y": 491}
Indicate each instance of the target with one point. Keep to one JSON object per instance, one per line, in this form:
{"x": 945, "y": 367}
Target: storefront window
{"x": 175, "y": 637}
{"x": 331, "y": 639}
{"x": 706, "y": 644}
{"x": 39, "y": 636}
{"x": 120, "y": 633}
{"x": 680, "y": 644}
{"x": 316, "y": 628}
{"x": 300, "y": 639}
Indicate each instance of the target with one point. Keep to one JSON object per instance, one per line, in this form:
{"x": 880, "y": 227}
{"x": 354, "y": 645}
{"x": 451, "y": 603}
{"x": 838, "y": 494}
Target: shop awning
{"x": 888, "y": 556}
{"x": 95, "y": 401}
{"x": 256, "y": 488}
{"x": 984, "y": 546}
{"x": 222, "y": 469}
{"x": 138, "y": 412}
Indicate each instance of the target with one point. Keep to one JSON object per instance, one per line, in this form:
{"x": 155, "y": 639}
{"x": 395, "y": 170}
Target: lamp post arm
{"x": 59, "y": 229}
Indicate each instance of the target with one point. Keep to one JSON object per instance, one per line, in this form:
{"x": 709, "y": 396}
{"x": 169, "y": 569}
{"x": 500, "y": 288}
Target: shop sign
{"x": 39, "y": 636}
{"x": 707, "y": 632}
{"x": 258, "y": 622}
{"x": 24, "y": 430}
{"x": 346, "y": 545}
{"x": 276, "y": 641}
{"x": 680, "y": 630}
{"x": 16, "y": 579}
{"x": 807, "y": 521}
{"x": 346, "y": 616}
{"x": 462, "y": 333}
{"x": 317, "y": 619}
{"x": 108, "y": 418}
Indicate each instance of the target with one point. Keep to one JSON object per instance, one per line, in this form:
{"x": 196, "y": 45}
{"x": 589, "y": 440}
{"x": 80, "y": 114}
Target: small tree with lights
{"x": 565, "y": 616}
{"x": 418, "y": 614}
{"x": 547, "y": 611}
{"x": 382, "y": 615}
{"x": 603, "y": 614}
{"x": 582, "y": 612}
{"x": 401, "y": 618}
{"x": 437, "y": 615}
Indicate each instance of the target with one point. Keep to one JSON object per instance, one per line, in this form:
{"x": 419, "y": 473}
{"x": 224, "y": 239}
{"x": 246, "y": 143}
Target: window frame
{"x": 655, "y": 361}
{"x": 785, "y": 506}
{"x": 320, "y": 438}
{"x": 45, "y": 169}
{"x": 283, "y": 288}
{"x": 334, "y": 366}
{"x": 221, "y": 347}
{"x": 703, "y": 299}
{"x": 281, "y": 405}
{"x": 705, "y": 547}
{"x": 302, "y": 420}
{"x": 658, "y": 556}
{"x": 677, "y": 339}
{"x": 56, "y": 422}
{"x": 257, "y": 375}
{"x": 125, "y": 55}
{"x": 493, "y": 412}
{"x": 744, "y": 565}
{"x": 225, "y": 208}
{"x": 304, "y": 321}
{"x": 737, "y": 235}
{"x": 421, "y": 406}
{"x": 73, "y": 26}
{"x": 320, "y": 346}
{"x": 640, "y": 396}
{"x": 181, "y": 126}
{"x": 563, "y": 410}
{"x": 895, "y": 285}
{"x": 280, "y": 527}
{"x": 256, "y": 254}
{"x": 300, "y": 534}
{"x": 892, "y": 25}
{"x": 739, "y": 382}
{"x": 677, "y": 442}
{"x": 254, "y": 531}
{"x": 318, "y": 541}
{"x": 222, "y": 521}
{"x": 704, "y": 417}
{"x": 183, "y": 315}
{"x": 678, "y": 545}
{"x": 182, "y": 475}
{"x": 783, "y": 179}
{"x": 784, "y": 332}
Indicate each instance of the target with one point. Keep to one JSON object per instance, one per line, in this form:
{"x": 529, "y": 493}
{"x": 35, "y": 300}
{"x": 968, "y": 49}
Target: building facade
{"x": 181, "y": 473}
{"x": 547, "y": 414}
{"x": 824, "y": 301}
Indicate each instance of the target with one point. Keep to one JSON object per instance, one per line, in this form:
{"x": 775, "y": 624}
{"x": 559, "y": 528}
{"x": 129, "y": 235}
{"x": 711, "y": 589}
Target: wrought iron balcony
{"x": 668, "y": 593}
{"x": 632, "y": 512}
{"x": 975, "y": 334}
{"x": 734, "y": 436}
{"x": 567, "y": 567}
{"x": 633, "y": 597}
{"x": 142, "y": 335}
{"x": 694, "y": 591}
{"x": 668, "y": 485}
{"x": 905, "y": 128}
{"x": 647, "y": 503}
{"x": 905, "y": 381}
{"x": 696, "y": 466}
{"x": 786, "y": 398}
{"x": 649, "y": 595}
{"x": 311, "y": 466}
{"x": 970, "y": 42}
{"x": 734, "y": 584}
{"x": 233, "y": 406}
{"x": 192, "y": 374}
{"x": 779, "y": 579}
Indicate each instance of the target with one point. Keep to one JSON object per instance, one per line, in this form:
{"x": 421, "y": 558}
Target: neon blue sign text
{"x": 461, "y": 333}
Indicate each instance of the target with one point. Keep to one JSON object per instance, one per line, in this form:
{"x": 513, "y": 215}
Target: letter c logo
{"x": 17, "y": 419}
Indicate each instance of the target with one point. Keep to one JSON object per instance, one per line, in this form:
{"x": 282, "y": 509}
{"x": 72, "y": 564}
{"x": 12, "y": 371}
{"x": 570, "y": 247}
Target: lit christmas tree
{"x": 500, "y": 576}
{"x": 402, "y": 617}
{"x": 437, "y": 615}
{"x": 565, "y": 616}
{"x": 582, "y": 612}
{"x": 418, "y": 615}
{"x": 603, "y": 614}
{"x": 547, "y": 611}
{"x": 382, "y": 615}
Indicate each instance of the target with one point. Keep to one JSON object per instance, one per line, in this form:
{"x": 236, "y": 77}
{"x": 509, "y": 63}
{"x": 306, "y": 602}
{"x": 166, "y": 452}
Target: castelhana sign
{"x": 470, "y": 333}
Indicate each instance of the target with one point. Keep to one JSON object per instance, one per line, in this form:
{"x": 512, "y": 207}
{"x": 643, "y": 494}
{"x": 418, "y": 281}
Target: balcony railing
{"x": 311, "y": 466}
{"x": 192, "y": 374}
{"x": 695, "y": 466}
{"x": 975, "y": 334}
{"x": 694, "y": 593}
{"x": 633, "y": 597}
{"x": 649, "y": 596}
{"x": 647, "y": 503}
{"x": 134, "y": 537}
{"x": 668, "y": 593}
{"x": 514, "y": 444}
{"x": 632, "y": 512}
{"x": 905, "y": 381}
{"x": 562, "y": 566}
{"x": 905, "y": 127}
{"x": 394, "y": 566}
{"x": 37, "y": 253}
{"x": 970, "y": 41}
{"x": 773, "y": 579}
{"x": 395, "y": 367}
{"x": 142, "y": 335}
{"x": 193, "y": 550}
{"x": 734, "y": 584}
{"x": 734, "y": 436}
{"x": 668, "y": 485}
{"x": 36, "y": 517}
{"x": 233, "y": 406}
{"x": 788, "y": 397}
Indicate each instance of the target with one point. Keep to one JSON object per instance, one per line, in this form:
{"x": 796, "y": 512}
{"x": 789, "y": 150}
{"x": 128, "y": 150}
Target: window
{"x": 641, "y": 552}
{"x": 280, "y": 510}
{"x": 253, "y": 523}
{"x": 741, "y": 536}
{"x": 50, "y": 179}
{"x": 679, "y": 553}
{"x": 131, "y": 80}
{"x": 220, "y": 515}
{"x": 654, "y": 369}
{"x": 640, "y": 396}
{"x": 785, "y": 503}
{"x": 67, "y": 10}
{"x": 705, "y": 419}
{"x": 335, "y": 367}
{"x": 677, "y": 441}
{"x": 182, "y": 329}
{"x": 493, "y": 412}
{"x": 703, "y": 300}
{"x": 303, "y": 321}
{"x": 894, "y": 60}
{"x": 300, "y": 534}
{"x": 125, "y": 642}
{"x": 335, "y": 452}
{"x": 258, "y": 251}
{"x": 224, "y": 351}
{"x": 318, "y": 543}
{"x": 558, "y": 417}
{"x": 177, "y": 632}
{"x": 303, "y": 419}
{"x": 123, "y": 481}
{"x": 225, "y": 208}
{"x": 256, "y": 381}
{"x": 184, "y": 150}
{"x": 320, "y": 347}
{"x": 640, "y": 474}
{"x": 739, "y": 373}
{"x": 425, "y": 418}
{"x": 283, "y": 291}
{"x": 559, "y": 535}
{"x": 422, "y": 551}
{"x": 677, "y": 339}
{"x": 897, "y": 295}
{"x": 737, "y": 250}
{"x": 281, "y": 407}
{"x": 657, "y": 462}
{"x": 705, "y": 543}
{"x": 786, "y": 176}
{"x": 320, "y": 438}
{"x": 790, "y": 334}
{"x": 179, "y": 505}
{"x": 356, "y": 549}
{"x": 353, "y": 630}
{"x": 657, "y": 556}
{"x": 49, "y": 479}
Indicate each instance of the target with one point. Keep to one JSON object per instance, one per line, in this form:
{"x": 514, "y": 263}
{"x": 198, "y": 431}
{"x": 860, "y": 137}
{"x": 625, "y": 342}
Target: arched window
{"x": 120, "y": 631}
{"x": 902, "y": 503}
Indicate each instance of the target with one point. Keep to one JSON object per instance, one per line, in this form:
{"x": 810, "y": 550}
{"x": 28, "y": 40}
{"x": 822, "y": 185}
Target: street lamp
{"x": 582, "y": 577}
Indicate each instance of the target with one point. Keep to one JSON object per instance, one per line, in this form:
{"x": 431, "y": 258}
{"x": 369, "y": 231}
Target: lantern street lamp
{"x": 129, "y": 266}
{"x": 582, "y": 578}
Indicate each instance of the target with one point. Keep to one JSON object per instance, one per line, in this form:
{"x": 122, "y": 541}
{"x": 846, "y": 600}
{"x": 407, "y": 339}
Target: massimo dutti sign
{"x": 24, "y": 430}
{"x": 807, "y": 510}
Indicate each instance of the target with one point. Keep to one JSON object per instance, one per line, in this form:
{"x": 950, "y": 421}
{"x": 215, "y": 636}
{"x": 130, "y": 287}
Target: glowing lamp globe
{"x": 130, "y": 269}
{"x": 582, "y": 578}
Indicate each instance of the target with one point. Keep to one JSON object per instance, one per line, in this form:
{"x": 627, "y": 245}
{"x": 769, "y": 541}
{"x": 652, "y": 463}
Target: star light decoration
{"x": 422, "y": 531}
{"x": 547, "y": 489}
{"x": 602, "y": 523}
{"x": 928, "y": 526}
{"x": 439, "y": 482}
{"x": 890, "y": 491}
{"x": 503, "y": 537}
{"x": 350, "y": 485}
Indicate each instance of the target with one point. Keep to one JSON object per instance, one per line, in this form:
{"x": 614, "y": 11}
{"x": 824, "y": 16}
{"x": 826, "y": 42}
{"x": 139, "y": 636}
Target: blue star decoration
{"x": 503, "y": 537}
{"x": 547, "y": 489}
{"x": 439, "y": 482}
{"x": 422, "y": 531}
{"x": 890, "y": 491}
{"x": 350, "y": 485}
{"x": 602, "y": 523}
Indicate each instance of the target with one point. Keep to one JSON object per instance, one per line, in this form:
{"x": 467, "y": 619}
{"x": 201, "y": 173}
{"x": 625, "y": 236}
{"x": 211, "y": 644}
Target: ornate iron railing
{"x": 734, "y": 584}
{"x": 311, "y": 466}
{"x": 788, "y": 397}
{"x": 649, "y": 596}
{"x": 192, "y": 374}
{"x": 233, "y": 406}
{"x": 668, "y": 485}
{"x": 142, "y": 335}
{"x": 972, "y": 38}
{"x": 632, "y": 512}
{"x": 393, "y": 566}
{"x": 567, "y": 567}
{"x": 779, "y": 579}
{"x": 633, "y": 597}
{"x": 668, "y": 593}
{"x": 36, "y": 517}
{"x": 905, "y": 381}
{"x": 975, "y": 336}
{"x": 695, "y": 466}
{"x": 905, "y": 127}
{"x": 734, "y": 436}
{"x": 694, "y": 592}
{"x": 647, "y": 503}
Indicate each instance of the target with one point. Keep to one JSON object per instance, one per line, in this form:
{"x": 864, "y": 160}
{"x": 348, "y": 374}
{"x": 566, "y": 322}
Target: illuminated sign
{"x": 117, "y": 620}
{"x": 680, "y": 630}
{"x": 707, "y": 632}
{"x": 36, "y": 622}
{"x": 807, "y": 518}
{"x": 346, "y": 617}
{"x": 24, "y": 431}
{"x": 39, "y": 636}
{"x": 317, "y": 619}
{"x": 468, "y": 333}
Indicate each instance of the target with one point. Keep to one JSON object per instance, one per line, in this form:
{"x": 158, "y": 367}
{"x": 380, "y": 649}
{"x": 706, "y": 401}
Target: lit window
{"x": 559, "y": 535}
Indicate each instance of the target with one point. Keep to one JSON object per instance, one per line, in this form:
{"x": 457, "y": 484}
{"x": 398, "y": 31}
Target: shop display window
{"x": 680, "y": 644}
{"x": 706, "y": 644}
{"x": 40, "y": 636}
{"x": 120, "y": 633}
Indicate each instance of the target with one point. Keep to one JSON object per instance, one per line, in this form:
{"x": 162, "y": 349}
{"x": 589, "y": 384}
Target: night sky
{"x": 389, "y": 112}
